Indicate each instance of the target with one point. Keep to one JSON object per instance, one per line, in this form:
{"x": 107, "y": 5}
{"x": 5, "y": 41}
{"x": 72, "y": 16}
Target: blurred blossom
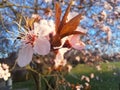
{"x": 98, "y": 67}
{"x": 47, "y": 1}
{"x": 87, "y": 84}
{"x": 73, "y": 2}
{"x": 110, "y": 21}
{"x": 5, "y": 66}
{"x": 103, "y": 15}
{"x": 118, "y": 27}
{"x": 87, "y": 79}
{"x": 107, "y": 6}
{"x": 69, "y": 68}
{"x": 4, "y": 71}
{"x": 109, "y": 35}
{"x": 79, "y": 87}
{"x": 83, "y": 77}
{"x": 6, "y": 74}
{"x": 117, "y": 9}
{"x": 92, "y": 75}
{"x": 107, "y": 30}
{"x": 77, "y": 58}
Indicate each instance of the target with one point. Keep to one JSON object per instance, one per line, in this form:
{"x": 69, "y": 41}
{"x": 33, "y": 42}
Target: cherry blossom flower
{"x": 4, "y": 71}
{"x": 34, "y": 41}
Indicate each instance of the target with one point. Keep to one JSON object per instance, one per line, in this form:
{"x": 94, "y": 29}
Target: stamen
{"x": 30, "y": 39}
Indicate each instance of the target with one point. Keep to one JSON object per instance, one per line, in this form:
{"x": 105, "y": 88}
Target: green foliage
{"x": 26, "y": 84}
{"x": 106, "y": 79}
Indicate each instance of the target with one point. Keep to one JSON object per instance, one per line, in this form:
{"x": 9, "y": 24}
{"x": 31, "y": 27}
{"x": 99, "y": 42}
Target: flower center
{"x": 30, "y": 38}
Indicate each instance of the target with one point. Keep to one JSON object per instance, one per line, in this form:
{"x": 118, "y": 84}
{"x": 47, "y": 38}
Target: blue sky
{"x": 87, "y": 23}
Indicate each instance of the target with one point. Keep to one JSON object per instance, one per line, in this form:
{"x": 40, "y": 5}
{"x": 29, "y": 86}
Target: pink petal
{"x": 42, "y": 46}
{"x": 79, "y": 46}
{"x": 25, "y": 55}
{"x": 76, "y": 43}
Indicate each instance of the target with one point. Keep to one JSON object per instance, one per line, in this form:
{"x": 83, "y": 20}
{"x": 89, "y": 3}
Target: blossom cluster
{"x": 4, "y": 71}
{"x": 41, "y": 36}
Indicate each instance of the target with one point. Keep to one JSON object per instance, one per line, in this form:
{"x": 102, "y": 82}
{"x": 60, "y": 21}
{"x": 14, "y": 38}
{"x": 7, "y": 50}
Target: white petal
{"x": 46, "y": 27}
{"x": 37, "y": 29}
{"x": 42, "y": 46}
{"x": 5, "y": 78}
{"x": 25, "y": 55}
{"x": 62, "y": 51}
{"x": 60, "y": 54}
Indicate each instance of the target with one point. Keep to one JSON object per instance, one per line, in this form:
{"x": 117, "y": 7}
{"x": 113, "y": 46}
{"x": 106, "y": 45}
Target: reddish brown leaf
{"x": 57, "y": 15}
{"x": 67, "y": 44}
{"x": 73, "y": 32}
{"x": 56, "y": 41}
{"x": 71, "y": 26}
{"x": 62, "y": 28}
{"x": 65, "y": 17}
